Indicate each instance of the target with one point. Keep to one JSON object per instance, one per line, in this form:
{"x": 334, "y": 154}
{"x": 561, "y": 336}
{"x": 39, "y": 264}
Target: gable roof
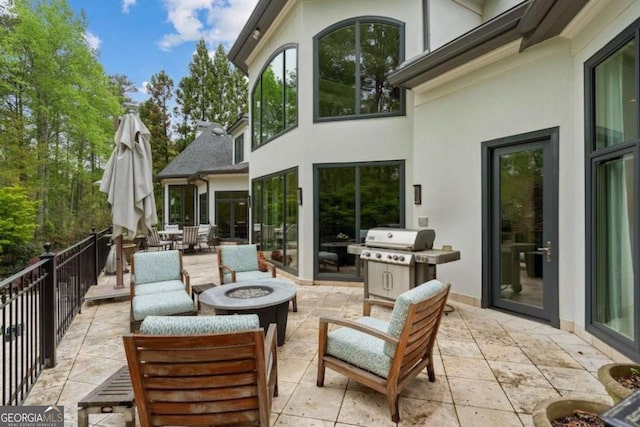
{"x": 210, "y": 153}
{"x": 532, "y": 21}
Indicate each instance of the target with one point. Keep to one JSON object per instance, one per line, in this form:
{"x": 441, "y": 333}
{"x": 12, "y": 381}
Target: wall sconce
{"x": 417, "y": 194}
{"x": 256, "y": 34}
{"x": 299, "y": 194}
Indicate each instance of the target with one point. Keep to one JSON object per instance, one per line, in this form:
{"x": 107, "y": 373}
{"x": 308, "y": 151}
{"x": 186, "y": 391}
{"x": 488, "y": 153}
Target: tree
{"x": 122, "y": 85}
{"x": 17, "y": 218}
{"x": 56, "y": 109}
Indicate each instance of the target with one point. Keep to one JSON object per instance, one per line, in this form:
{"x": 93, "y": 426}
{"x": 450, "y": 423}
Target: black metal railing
{"x": 38, "y": 305}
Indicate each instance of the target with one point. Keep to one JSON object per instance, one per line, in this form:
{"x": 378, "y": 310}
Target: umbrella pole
{"x": 119, "y": 266}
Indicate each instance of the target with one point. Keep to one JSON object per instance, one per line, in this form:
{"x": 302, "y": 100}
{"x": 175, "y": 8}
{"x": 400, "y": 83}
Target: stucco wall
{"x": 338, "y": 141}
{"x": 537, "y": 89}
{"x": 449, "y": 20}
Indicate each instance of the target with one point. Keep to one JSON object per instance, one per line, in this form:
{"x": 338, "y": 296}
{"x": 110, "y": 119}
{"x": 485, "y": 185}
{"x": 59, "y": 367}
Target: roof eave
{"x": 261, "y": 19}
{"x": 533, "y": 21}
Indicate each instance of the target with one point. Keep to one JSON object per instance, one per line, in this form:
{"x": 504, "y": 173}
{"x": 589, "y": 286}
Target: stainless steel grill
{"x": 390, "y": 262}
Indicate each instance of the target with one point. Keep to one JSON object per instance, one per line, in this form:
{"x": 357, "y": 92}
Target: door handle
{"x": 547, "y": 249}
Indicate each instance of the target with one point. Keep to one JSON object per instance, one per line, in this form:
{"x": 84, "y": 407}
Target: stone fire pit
{"x": 268, "y": 298}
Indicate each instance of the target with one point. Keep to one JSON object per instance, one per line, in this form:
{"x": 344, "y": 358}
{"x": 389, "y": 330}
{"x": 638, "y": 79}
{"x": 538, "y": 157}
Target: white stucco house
{"x": 511, "y": 126}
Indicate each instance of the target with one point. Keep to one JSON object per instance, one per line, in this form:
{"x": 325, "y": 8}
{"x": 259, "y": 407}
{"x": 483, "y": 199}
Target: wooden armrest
{"x": 231, "y": 270}
{"x": 186, "y": 279}
{"x": 360, "y": 327}
{"x": 270, "y": 343}
{"x": 132, "y": 286}
{"x": 368, "y": 302}
{"x": 272, "y": 269}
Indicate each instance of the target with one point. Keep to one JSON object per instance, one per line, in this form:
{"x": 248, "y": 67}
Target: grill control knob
{"x": 367, "y": 254}
{"x": 395, "y": 257}
{"x": 401, "y": 258}
{"x": 378, "y": 256}
{"x": 388, "y": 256}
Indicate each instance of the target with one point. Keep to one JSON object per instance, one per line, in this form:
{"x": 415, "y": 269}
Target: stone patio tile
{"x": 365, "y": 409}
{"x": 44, "y": 395}
{"x": 549, "y": 357}
{"x": 566, "y": 338}
{"x": 592, "y": 363}
{"x": 422, "y": 388}
{"x": 296, "y": 349}
{"x": 482, "y": 417}
{"x": 519, "y": 374}
{"x": 572, "y": 379}
{"x": 526, "y": 419}
{"x": 493, "y": 337}
{"x": 414, "y": 413}
{"x": 71, "y": 393}
{"x": 285, "y": 391}
{"x": 309, "y": 336}
{"x": 461, "y": 367}
{"x": 322, "y": 403}
{"x": 293, "y": 421}
{"x": 467, "y": 349}
{"x": 584, "y": 349}
{"x": 537, "y": 341}
{"x": 107, "y": 348}
{"x": 93, "y": 370}
{"x": 331, "y": 378}
{"x": 455, "y": 334}
{"x": 524, "y": 398}
{"x": 485, "y": 325}
{"x": 503, "y": 353}
{"x": 292, "y": 369}
{"x": 481, "y": 394}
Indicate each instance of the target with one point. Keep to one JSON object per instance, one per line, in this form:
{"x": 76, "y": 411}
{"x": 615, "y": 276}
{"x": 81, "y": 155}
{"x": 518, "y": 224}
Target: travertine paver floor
{"x": 491, "y": 368}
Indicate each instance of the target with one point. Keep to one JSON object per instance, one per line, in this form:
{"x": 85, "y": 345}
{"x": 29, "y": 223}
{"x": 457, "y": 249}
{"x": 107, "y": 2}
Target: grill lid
{"x": 400, "y": 238}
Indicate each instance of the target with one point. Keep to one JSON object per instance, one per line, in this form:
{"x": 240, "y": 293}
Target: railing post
{"x": 49, "y": 307}
{"x": 95, "y": 255}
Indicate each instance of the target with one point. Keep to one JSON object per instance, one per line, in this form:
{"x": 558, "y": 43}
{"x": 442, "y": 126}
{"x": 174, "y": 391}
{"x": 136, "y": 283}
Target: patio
{"x": 491, "y": 368}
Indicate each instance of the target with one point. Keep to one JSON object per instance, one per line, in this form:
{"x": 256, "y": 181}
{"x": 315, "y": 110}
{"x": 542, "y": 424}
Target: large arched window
{"x": 352, "y": 61}
{"x": 274, "y": 99}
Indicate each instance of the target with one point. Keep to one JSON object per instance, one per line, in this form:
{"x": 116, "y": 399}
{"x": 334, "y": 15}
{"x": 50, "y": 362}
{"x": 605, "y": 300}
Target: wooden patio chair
{"x": 386, "y": 356}
{"x": 189, "y": 238}
{"x": 154, "y": 240}
{"x": 239, "y": 263}
{"x": 190, "y": 376}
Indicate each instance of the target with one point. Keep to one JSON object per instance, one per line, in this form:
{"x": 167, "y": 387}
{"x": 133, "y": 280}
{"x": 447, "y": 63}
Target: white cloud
{"x": 143, "y": 87}
{"x": 126, "y": 4}
{"x": 218, "y": 21}
{"x": 92, "y": 40}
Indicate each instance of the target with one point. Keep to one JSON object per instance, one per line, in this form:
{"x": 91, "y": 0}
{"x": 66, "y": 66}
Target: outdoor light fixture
{"x": 256, "y": 34}
{"x": 417, "y": 194}
{"x": 299, "y": 195}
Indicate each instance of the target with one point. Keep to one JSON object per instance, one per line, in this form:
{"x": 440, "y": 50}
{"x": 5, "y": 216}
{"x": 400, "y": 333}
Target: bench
{"x": 114, "y": 395}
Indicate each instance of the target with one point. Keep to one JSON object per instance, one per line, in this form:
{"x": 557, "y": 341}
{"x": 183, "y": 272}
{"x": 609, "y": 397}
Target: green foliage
{"x": 17, "y": 218}
{"x": 56, "y": 115}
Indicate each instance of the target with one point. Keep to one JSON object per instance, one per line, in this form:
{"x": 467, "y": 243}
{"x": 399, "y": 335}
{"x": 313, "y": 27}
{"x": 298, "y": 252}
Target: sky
{"x": 139, "y": 38}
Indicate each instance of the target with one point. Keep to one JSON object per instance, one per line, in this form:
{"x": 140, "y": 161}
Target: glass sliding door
{"x": 351, "y": 199}
{"x": 613, "y": 196}
{"x": 275, "y": 217}
{"x": 232, "y": 215}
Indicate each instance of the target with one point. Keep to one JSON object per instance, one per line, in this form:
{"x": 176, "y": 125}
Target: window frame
{"x": 281, "y": 50}
{"x": 356, "y": 21}
{"x": 238, "y": 149}
{"x": 595, "y": 156}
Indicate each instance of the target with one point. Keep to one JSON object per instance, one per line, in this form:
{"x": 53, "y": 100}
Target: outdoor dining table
{"x": 172, "y": 235}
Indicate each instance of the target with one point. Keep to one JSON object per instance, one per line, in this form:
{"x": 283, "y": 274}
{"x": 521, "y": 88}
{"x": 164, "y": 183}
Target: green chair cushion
{"x": 199, "y": 325}
{"x": 360, "y": 349}
{"x": 401, "y": 309}
{"x": 159, "y": 287}
{"x": 165, "y": 304}
{"x": 156, "y": 266}
{"x": 240, "y": 257}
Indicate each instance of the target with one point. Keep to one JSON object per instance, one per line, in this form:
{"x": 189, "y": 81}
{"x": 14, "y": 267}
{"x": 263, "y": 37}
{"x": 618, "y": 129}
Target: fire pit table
{"x": 268, "y": 298}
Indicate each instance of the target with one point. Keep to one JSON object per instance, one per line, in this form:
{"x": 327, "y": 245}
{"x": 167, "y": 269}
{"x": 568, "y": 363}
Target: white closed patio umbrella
{"x": 128, "y": 182}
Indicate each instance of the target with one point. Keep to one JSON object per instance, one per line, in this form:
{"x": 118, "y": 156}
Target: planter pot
{"x": 551, "y": 409}
{"x": 607, "y": 375}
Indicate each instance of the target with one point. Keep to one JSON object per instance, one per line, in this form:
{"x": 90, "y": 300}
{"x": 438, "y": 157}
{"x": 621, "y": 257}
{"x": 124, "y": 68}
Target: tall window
{"x": 612, "y": 193}
{"x": 182, "y": 204}
{"x": 352, "y": 61}
{"x": 274, "y": 99}
{"x": 238, "y": 149}
{"x": 275, "y": 217}
{"x": 352, "y": 198}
